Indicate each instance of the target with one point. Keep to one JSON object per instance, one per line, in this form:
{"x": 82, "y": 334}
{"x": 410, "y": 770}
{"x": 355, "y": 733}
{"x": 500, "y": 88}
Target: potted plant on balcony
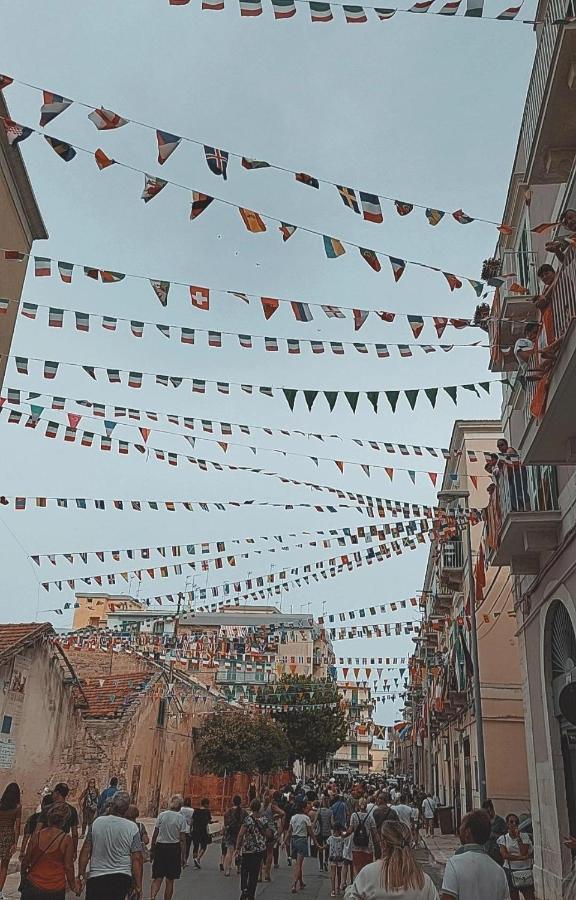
{"x": 481, "y": 316}
{"x": 491, "y": 268}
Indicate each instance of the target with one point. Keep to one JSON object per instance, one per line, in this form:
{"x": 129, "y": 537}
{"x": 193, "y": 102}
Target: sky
{"x": 420, "y": 108}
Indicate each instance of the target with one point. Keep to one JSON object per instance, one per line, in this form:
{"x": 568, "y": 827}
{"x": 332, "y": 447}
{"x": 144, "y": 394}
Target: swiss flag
{"x": 200, "y": 297}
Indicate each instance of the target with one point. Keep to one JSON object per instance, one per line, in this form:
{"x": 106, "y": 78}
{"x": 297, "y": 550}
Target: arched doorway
{"x": 563, "y": 660}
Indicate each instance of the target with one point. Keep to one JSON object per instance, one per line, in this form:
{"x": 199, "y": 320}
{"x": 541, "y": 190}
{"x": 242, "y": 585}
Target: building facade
{"x": 532, "y": 512}
{"x": 20, "y": 225}
{"x": 356, "y": 752}
{"x": 440, "y": 704}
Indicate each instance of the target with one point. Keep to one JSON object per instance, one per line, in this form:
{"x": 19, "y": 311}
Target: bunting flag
{"x": 42, "y": 267}
{"x": 287, "y": 231}
{"x": 167, "y": 144}
{"x": 398, "y": 266}
{"x": 200, "y": 297}
{"x": 371, "y": 209}
{"x": 250, "y": 7}
{"x": 384, "y": 14}
{"x": 320, "y": 12}
{"x": 349, "y": 198}
{"x": 354, "y": 14}
{"x": 65, "y": 270}
{"x": 303, "y": 178}
{"x": 371, "y": 258}
{"x": 61, "y": 148}
{"x": 16, "y": 133}
{"x": 218, "y": 159}
{"x": 106, "y": 120}
{"x": 161, "y": 289}
{"x": 152, "y": 187}
{"x": 52, "y": 106}
{"x": 421, "y": 7}
{"x": 284, "y": 9}
{"x": 333, "y": 247}
{"x": 5, "y": 81}
{"x": 102, "y": 161}
{"x": 252, "y": 164}
{"x": 200, "y": 202}
{"x": 252, "y": 220}
{"x": 459, "y": 215}
{"x": 435, "y": 216}
{"x": 301, "y": 312}
{"x": 510, "y": 13}
{"x": 403, "y": 209}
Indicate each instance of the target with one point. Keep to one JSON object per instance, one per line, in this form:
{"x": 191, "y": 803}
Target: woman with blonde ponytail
{"x": 397, "y": 875}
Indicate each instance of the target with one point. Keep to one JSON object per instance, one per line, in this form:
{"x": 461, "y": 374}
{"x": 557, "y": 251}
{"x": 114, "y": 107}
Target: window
{"x": 353, "y": 751}
{"x": 524, "y": 256}
{"x": 6, "y": 725}
{"x": 94, "y": 621}
{"x": 162, "y": 710}
{"x": 354, "y": 698}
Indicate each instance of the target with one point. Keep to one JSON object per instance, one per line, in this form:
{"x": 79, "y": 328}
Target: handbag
{"x": 521, "y": 878}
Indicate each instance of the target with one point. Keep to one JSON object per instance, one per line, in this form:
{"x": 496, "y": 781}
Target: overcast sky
{"x": 420, "y": 108}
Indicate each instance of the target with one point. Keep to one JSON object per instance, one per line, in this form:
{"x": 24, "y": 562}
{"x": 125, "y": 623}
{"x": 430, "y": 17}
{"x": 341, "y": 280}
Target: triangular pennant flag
{"x": 373, "y": 398}
{"x": 360, "y": 316}
{"x": 371, "y": 258}
{"x": 102, "y": 161}
{"x": 340, "y": 464}
{"x": 440, "y": 324}
{"x": 310, "y": 397}
{"x": 61, "y": 148}
{"x": 331, "y": 397}
{"x": 392, "y": 398}
{"x": 411, "y": 397}
{"x": 432, "y": 394}
{"x": 269, "y": 305}
{"x": 105, "y": 119}
{"x": 452, "y": 392}
{"x": 167, "y": 144}
{"x": 398, "y": 266}
{"x": 152, "y": 187}
{"x": 200, "y": 202}
{"x": 435, "y": 216}
{"x": 53, "y": 105}
{"x": 416, "y": 324}
{"x": 352, "y": 398}
{"x": 287, "y": 230}
{"x": 290, "y": 395}
{"x": 145, "y": 432}
{"x": 453, "y": 281}
{"x": 161, "y": 289}
{"x": 433, "y": 476}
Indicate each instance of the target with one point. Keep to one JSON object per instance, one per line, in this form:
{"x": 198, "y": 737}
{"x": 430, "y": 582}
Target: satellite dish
{"x": 567, "y": 702}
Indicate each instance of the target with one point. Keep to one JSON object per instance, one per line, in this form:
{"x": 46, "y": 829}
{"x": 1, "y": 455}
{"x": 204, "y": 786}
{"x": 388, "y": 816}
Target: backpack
{"x": 361, "y": 837}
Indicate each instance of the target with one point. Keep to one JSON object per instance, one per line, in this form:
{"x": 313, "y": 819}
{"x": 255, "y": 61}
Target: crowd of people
{"x": 363, "y": 832}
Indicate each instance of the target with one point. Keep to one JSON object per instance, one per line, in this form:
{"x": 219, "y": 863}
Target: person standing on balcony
{"x": 509, "y": 461}
{"x": 559, "y": 246}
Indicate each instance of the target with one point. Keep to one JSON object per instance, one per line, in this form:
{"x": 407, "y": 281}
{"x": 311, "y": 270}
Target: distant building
{"x": 93, "y": 610}
{"x": 379, "y": 760}
{"x": 355, "y": 752}
{"x": 20, "y": 225}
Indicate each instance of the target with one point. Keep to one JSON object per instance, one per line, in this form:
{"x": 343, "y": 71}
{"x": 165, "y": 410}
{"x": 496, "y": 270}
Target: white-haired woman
{"x": 168, "y": 848}
{"x": 397, "y": 875}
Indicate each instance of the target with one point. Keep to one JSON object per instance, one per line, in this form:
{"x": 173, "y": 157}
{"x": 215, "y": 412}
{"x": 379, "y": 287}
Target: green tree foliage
{"x": 310, "y": 713}
{"x": 236, "y": 740}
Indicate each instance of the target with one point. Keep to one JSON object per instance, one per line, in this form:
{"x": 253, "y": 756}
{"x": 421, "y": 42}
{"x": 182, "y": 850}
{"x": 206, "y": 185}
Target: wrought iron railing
{"x": 520, "y": 489}
{"x": 451, "y": 555}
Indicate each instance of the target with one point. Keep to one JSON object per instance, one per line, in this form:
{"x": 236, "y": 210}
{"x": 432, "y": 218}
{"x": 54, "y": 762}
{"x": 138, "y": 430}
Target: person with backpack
{"x": 251, "y": 845}
{"x": 364, "y": 837}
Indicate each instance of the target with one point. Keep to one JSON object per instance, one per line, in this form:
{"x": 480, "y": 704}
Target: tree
{"x": 237, "y": 740}
{"x": 310, "y": 713}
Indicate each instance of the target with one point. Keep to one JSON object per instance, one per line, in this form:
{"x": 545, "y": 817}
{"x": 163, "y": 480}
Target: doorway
{"x": 563, "y": 654}
{"x": 467, "y": 775}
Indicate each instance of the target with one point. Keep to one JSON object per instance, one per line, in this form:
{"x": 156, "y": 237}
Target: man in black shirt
{"x": 70, "y": 826}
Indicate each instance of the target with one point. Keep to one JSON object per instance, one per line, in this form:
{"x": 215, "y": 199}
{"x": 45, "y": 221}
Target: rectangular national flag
{"x": 213, "y": 4}
{"x": 450, "y": 8}
{"x": 114, "y": 376}
{"x": 251, "y": 164}
{"x": 61, "y": 148}
{"x": 109, "y": 323}
{"x": 200, "y": 297}
{"x": 30, "y": 310}
{"x": 321, "y": 12}
{"x": 384, "y": 14}
{"x": 22, "y": 365}
{"x": 137, "y": 328}
{"x": 200, "y": 202}
{"x": 349, "y": 198}
{"x": 152, "y": 187}
{"x": 333, "y": 247}
{"x": 106, "y": 120}
{"x": 283, "y": 9}
{"x": 16, "y": 133}
{"x": 250, "y": 7}
{"x": 135, "y": 379}
{"x": 271, "y": 344}
{"x": 474, "y": 8}
{"x": 65, "y": 270}
{"x": 50, "y": 369}
{"x": 167, "y": 144}
{"x": 421, "y": 7}
{"x": 334, "y": 312}
{"x": 337, "y": 348}
{"x": 82, "y": 321}
{"x": 53, "y": 105}
{"x": 354, "y": 14}
{"x": 371, "y": 209}
{"x": 303, "y": 178}
{"x": 42, "y": 267}
{"x": 509, "y": 13}
{"x": 317, "y": 346}
{"x": 218, "y": 159}
{"x": 252, "y": 220}
{"x": 55, "y": 317}
{"x": 245, "y": 341}
{"x": 293, "y": 345}
{"x": 14, "y": 255}
{"x": 214, "y": 339}
{"x": 186, "y": 335}
{"x": 301, "y": 311}
{"x": 382, "y": 351}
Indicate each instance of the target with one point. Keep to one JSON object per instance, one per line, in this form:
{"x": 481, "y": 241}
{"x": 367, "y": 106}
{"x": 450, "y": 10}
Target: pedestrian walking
{"x": 10, "y": 821}
{"x": 48, "y": 862}
{"x": 429, "y": 813}
{"x": 88, "y": 803}
{"x": 299, "y": 831}
{"x": 470, "y": 874}
{"x": 251, "y": 846}
{"x": 113, "y": 851}
{"x": 200, "y": 835}
{"x": 335, "y": 851}
{"x": 133, "y": 814}
{"x": 270, "y": 813}
{"x": 107, "y": 795}
{"x": 168, "y": 848}
{"x": 397, "y": 876}
{"x": 498, "y": 827}
{"x": 347, "y": 863}
{"x": 33, "y": 821}
{"x": 60, "y": 794}
{"x": 188, "y": 813}
{"x": 233, "y": 819}
{"x": 518, "y": 853}
{"x": 364, "y": 837}
{"x": 324, "y": 831}
{"x": 403, "y": 811}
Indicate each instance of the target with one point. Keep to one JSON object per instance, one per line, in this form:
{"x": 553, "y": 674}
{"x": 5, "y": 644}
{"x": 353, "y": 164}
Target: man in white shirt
{"x": 471, "y": 874}
{"x": 429, "y": 807}
{"x": 168, "y": 848}
{"x": 403, "y": 811}
{"x": 113, "y": 848}
{"x": 188, "y": 812}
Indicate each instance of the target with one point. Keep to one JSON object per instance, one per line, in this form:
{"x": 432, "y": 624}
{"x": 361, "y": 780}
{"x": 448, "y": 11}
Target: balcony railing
{"x": 527, "y": 489}
{"x": 519, "y": 274}
{"x": 522, "y": 513}
{"x": 452, "y": 555}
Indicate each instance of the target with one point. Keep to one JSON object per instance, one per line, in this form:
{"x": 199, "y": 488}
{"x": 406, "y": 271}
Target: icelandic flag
{"x": 371, "y": 210}
{"x": 61, "y": 148}
{"x": 42, "y": 267}
{"x": 320, "y": 12}
{"x": 354, "y": 14}
{"x": 217, "y": 161}
{"x": 349, "y": 198}
{"x": 53, "y": 105}
{"x": 398, "y": 266}
{"x": 65, "y": 270}
{"x": 283, "y": 9}
{"x": 301, "y": 311}
{"x": 106, "y": 120}
{"x": 167, "y": 144}
{"x": 333, "y": 247}
{"x": 384, "y": 14}
{"x": 152, "y": 187}
{"x": 15, "y": 133}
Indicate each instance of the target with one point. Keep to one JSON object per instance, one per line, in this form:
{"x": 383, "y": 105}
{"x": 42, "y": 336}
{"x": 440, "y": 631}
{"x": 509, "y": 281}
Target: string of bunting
{"x": 371, "y": 631}
{"x": 386, "y": 661}
{"x": 200, "y": 297}
{"x": 254, "y": 221}
{"x": 167, "y": 570}
{"x": 70, "y": 431}
{"x": 134, "y": 380}
{"x": 106, "y": 411}
{"x": 83, "y": 321}
{"x": 366, "y": 203}
{"x": 352, "y": 614}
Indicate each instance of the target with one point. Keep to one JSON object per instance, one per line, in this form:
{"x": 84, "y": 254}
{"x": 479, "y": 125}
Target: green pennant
{"x": 352, "y": 398}
{"x": 452, "y": 391}
{"x": 392, "y": 398}
{"x": 373, "y": 397}
{"x": 331, "y": 397}
{"x": 485, "y": 385}
{"x": 411, "y": 397}
{"x": 310, "y": 397}
{"x": 412, "y": 475}
{"x": 471, "y": 387}
{"x": 290, "y": 394}
{"x": 431, "y": 393}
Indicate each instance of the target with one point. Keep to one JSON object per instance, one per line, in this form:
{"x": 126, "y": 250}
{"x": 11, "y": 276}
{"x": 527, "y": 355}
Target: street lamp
{"x": 450, "y": 496}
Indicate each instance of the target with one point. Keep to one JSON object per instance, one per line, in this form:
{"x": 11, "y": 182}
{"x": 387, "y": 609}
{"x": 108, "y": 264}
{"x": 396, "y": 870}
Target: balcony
{"x": 547, "y": 133}
{"x": 550, "y": 437}
{"x": 232, "y": 676}
{"x": 512, "y": 307}
{"x": 523, "y": 519}
{"x": 450, "y": 564}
